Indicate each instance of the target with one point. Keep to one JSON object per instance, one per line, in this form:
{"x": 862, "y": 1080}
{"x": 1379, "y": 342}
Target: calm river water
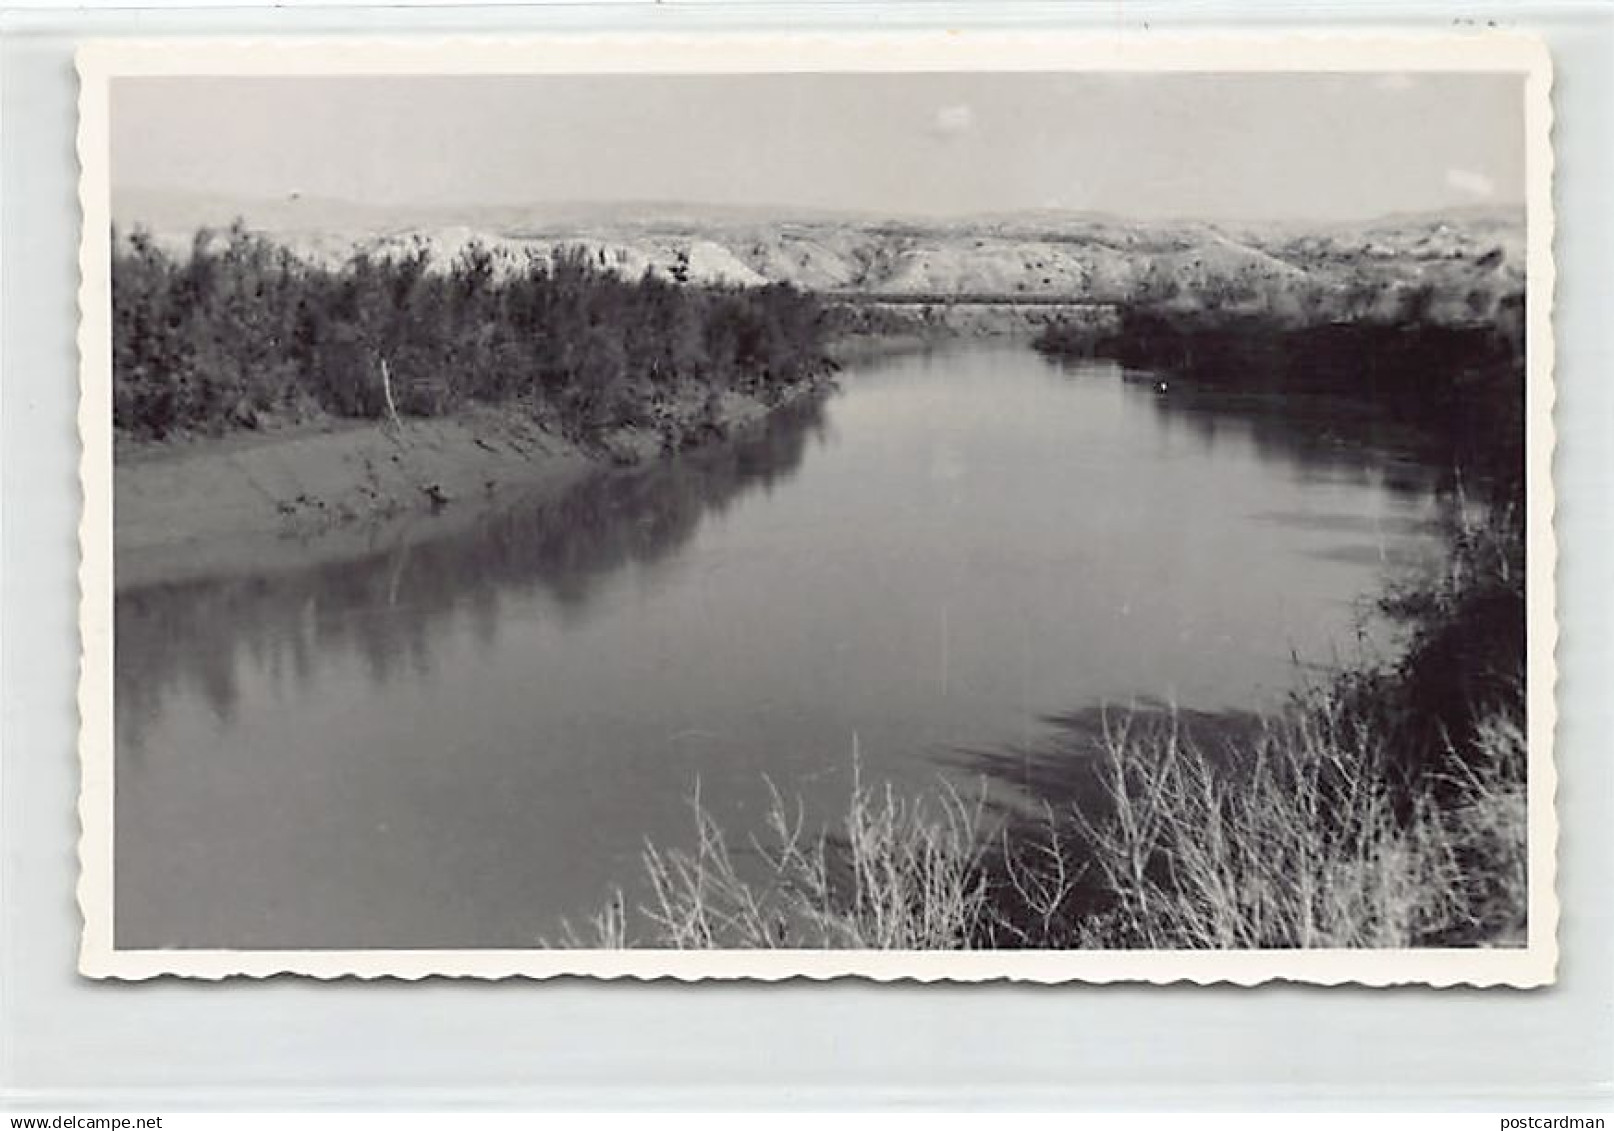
{"x": 459, "y": 741}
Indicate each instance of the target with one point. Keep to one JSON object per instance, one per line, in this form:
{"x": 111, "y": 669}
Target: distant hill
{"x": 1457, "y": 265}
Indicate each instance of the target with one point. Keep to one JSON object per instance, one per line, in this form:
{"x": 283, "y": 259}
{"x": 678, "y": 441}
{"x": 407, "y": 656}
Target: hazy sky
{"x": 1249, "y": 146}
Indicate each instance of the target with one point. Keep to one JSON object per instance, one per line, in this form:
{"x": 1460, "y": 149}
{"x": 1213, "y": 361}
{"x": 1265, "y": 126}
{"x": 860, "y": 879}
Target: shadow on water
{"x": 392, "y": 606}
{"x": 1061, "y": 768}
{"x": 1321, "y": 439}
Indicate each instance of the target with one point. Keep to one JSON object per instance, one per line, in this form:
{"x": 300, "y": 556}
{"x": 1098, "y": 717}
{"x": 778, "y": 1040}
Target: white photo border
{"x": 1478, "y": 50}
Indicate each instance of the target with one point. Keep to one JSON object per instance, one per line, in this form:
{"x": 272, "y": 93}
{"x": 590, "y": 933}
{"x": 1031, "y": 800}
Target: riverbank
{"x": 334, "y": 489}
{"x": 270, "y": 410}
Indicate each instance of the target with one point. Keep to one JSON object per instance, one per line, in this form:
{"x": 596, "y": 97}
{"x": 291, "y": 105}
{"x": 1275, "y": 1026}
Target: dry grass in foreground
{"x": 1301, "y": 837}
{"x": 1305, "y": 839}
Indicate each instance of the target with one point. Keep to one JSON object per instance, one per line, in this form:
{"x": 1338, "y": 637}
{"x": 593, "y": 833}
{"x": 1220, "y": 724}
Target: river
{"x": 460, "y": 740}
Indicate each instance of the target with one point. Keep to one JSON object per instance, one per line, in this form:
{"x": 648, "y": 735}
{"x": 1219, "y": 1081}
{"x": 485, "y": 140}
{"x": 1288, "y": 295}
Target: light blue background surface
{"x": 68, "y": 1044}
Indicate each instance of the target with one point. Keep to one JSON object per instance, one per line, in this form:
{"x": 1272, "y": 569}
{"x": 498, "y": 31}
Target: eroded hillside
{"x": 1454, "y": 269}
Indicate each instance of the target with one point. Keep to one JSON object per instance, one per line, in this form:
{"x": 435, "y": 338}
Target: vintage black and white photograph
{"x": 1042, "y": 512}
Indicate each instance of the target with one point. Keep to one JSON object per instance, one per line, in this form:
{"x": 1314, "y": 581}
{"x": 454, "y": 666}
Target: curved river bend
{"x": 459, "y": 741}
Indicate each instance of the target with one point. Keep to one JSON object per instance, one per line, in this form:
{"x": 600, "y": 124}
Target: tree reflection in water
{"x": 391, "y": 606}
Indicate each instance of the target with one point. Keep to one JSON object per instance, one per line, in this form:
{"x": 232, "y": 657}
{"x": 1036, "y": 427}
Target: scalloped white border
{"x": 1477, "y": 50}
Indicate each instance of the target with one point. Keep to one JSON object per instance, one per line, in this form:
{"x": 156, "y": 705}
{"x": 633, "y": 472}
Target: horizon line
{"x": 780, "y": 212}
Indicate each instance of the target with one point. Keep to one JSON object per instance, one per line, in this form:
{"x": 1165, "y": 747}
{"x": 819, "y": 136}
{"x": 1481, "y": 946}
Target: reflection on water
{"x": 1321, "y": 439}
{"x": 456, "y": 742}
{"x": 389, "y": 608}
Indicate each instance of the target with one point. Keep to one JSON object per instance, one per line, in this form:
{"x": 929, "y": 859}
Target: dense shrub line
{"x": 242, "y": 329}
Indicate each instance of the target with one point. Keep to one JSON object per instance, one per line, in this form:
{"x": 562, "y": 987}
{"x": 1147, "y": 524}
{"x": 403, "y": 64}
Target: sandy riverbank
{"x": 258, "y": 502}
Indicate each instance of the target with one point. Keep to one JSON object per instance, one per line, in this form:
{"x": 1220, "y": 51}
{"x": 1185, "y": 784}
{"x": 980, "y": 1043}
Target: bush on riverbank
{"x": 1309, "y": 837}
{"x": 242, "y": 330}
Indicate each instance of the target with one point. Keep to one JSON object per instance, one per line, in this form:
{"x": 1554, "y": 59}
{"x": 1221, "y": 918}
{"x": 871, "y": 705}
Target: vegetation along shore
{"x": 257, "y": 394}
